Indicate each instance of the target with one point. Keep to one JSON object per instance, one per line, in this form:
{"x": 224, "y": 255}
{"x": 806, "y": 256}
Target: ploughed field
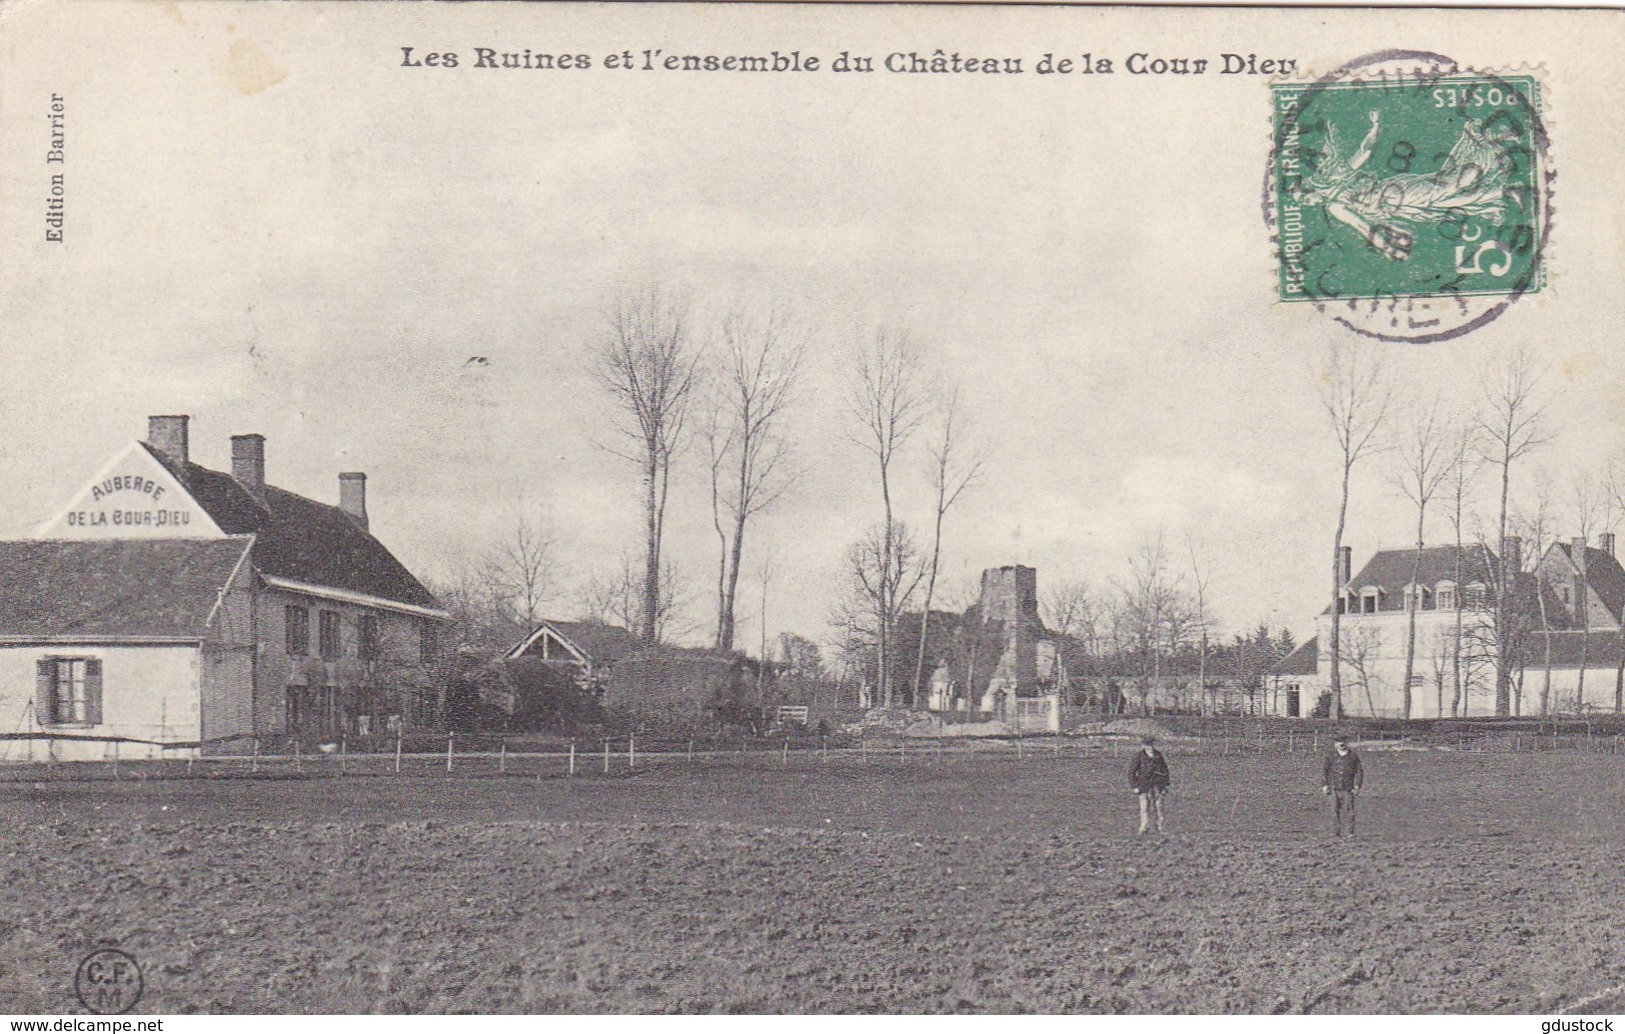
{"x": 1477, "y": 883}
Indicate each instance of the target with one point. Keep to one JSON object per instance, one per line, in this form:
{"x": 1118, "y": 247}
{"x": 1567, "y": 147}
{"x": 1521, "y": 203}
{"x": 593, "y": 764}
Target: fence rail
{"x": 494, "y": 756}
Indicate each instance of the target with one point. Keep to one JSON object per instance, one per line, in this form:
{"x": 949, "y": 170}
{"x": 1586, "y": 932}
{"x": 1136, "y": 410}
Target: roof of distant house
{"x": 600, "y": 643}
{"x": 113, "y": 589}
{"x": 1390, "y": 570}
{"x": 1604, "y": 575}
{"x": 301, "y": 540}
{"x": 1305, "y": 660}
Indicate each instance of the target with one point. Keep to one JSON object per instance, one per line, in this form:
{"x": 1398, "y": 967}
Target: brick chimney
{"x": 167, "y": 436}
{"x": 1345, "y": 565}
{"x": 1577, "y": 550}
{"x": 248, "y": 463}
{"x": 353, "y": 496}
{"x": 1605, "y": 542}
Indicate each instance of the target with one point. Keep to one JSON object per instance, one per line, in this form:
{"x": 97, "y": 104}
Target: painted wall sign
{"x": 134, "y": 496}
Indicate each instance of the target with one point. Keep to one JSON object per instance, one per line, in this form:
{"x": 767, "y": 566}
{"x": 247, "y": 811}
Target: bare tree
{"x": 1535, "y": 528}
{"x": 956, "y": 462}
{"x": 887, "y": 406}
{"x": 1462, "y": 472}
{"x": 1071, "y": 607}
{"x": 1154, "y": 615}
{"x": 1616, "y": 500}
{"x": 615, "y": 597}
{"x": 1424, "y": 463}
{"x": 883, "y": 571}
{"x": 759, "y": 359}
{"x": 1589, "y": 502}
{"x": 1201, "y": 576}
{"x": 646, "y": 365}
{"x": 521, "y": 571}
{"x": 1354, "y": 393}
{"x": 1360, "y": 653}
{"x": 1510, "y": 426}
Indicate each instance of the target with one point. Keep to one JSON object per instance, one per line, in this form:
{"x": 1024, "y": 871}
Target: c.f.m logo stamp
{"x": 108, "y": 981}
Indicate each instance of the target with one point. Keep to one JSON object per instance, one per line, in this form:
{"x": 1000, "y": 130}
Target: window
{"x": 68, "y": 691}
{"x": 1474, "y": 596}
{"x": 1368, "y": 603}
{"x": 1447, "y": 597}
{"x": 428, "y": 642}
{"x": 1416, "y": 598}
{"x": 330, "y": 635}
{"x": 297, "y": 620}
{"x": 370, "y": 639}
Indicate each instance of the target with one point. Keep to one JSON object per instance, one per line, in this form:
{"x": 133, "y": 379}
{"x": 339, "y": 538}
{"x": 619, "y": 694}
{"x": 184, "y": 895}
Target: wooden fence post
{"x": 572, "y": 755}
{"x": 606, "y": 756}
{"x": 398, "y": 736}
{"x": 502, "y": 757}
{"x": 449, "y": 737}
{"x": 256, "y": 765}
{"x": 787, "y": 752}
{"x": 632, "y": 752}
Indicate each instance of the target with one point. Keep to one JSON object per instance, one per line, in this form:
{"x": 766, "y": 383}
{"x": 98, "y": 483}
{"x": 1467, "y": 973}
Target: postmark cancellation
{"x": 1409, "y": 198}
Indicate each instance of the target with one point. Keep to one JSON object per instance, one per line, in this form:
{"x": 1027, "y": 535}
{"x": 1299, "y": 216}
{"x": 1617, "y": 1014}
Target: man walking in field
{"x": 1149, "y": 777}
{"x": 1342, "y": 780}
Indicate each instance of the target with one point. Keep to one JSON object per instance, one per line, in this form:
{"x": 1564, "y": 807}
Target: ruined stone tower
{"x": 1008, "y": 609}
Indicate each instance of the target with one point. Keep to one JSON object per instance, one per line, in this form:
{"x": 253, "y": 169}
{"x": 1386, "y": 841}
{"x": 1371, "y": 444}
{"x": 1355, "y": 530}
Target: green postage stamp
{"x": 1408, "y": 187}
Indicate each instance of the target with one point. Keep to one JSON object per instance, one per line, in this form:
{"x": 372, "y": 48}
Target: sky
{"x": 276, "y": 227}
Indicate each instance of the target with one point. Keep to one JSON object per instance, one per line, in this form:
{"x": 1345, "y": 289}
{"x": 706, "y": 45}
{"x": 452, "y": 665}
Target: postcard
{"x": 810, "y": 509}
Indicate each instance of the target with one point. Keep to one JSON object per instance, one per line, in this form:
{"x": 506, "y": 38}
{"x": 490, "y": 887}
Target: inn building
{"x": 1567, "y": 629}
{"x": 181, "y": 610}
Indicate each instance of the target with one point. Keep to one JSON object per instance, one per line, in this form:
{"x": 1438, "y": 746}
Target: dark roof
{"x": 1604, "y": 575}
{"x": 302, "y": 540}
{"x": 1390, "y": 570}
{"x": 1305, "y": 660}
{"x": 113, "y": 588}
{"x": 1602, "y": 650}
{"x": 603, "y": 644}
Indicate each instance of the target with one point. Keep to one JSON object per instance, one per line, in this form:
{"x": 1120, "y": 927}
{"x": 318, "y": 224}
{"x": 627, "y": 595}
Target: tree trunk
{"x": 886, "y": 593}
{"x": 1413, "y": 604}
{"x": 730, "y": 588}
{"x": 1455, "y": 649}
{"x": 1337, "y": 597}
{"x": 1503, "y": 610}
{"x": 1585, "y": 640}
{"x": 651, "y": 565}
{"x": 925, "y": 611}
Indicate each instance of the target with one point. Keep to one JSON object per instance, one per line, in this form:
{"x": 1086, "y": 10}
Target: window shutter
{"x": 45, "y": 692}
{"x": 93, "y": 690}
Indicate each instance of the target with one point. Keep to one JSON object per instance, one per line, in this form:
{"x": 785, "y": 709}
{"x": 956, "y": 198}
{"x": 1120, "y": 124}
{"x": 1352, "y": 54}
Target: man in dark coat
{"x": 1149, "y": 776}
{"x": 1342, "y": 780}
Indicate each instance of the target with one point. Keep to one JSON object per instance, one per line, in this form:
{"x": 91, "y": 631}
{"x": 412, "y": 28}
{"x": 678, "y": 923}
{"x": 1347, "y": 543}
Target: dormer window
{"x": 1475, "y": 598}
{"x": 1369, "y": 600}
{"x": 1445, "y": 596}
{"x": 1417, "y": 597}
